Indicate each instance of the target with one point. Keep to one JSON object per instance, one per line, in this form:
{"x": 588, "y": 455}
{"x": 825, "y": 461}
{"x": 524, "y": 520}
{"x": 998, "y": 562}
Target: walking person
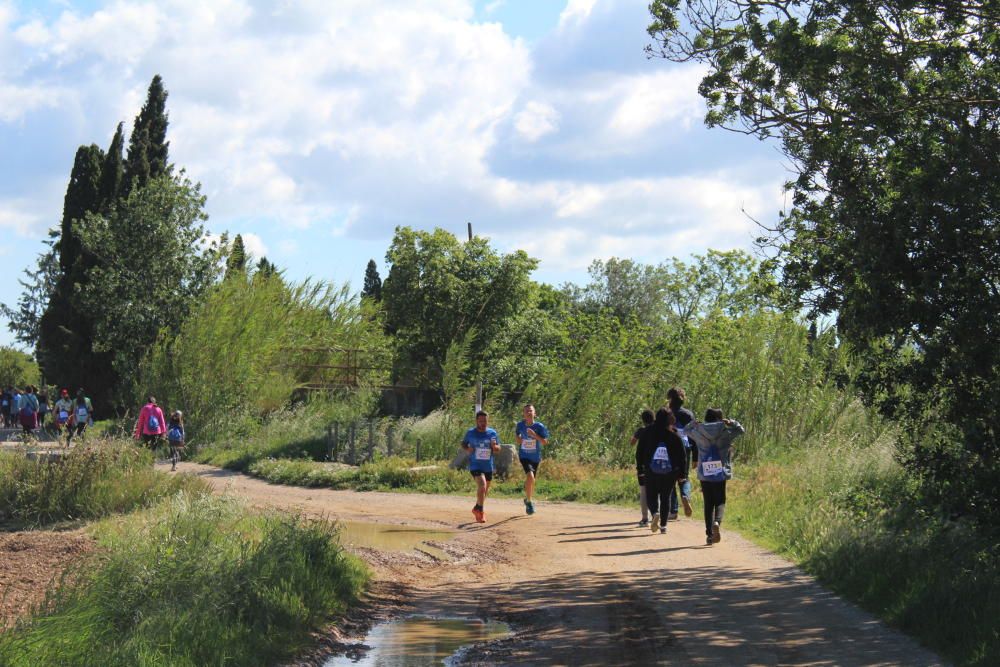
{"x": 62, "y": 411}
{"x": 151, "y": 425}
{"x": 81, "y": 416}
{"x": 662, "y": 454}
{"x": 714, "y": 440}
{"x": 43, "y": 409}
{"x": 647, "y": 419}
{"x": 5, "y": 406}
{"x": 531, "y": 435}
{"x": 683, "y": 416}
{"x": 175, "y": 436}
{"x": 482, "y": 443}
{"x": 28, "y": 410}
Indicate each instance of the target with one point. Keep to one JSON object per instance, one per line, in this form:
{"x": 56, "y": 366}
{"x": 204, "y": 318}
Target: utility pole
{"x": 470, "y": 230}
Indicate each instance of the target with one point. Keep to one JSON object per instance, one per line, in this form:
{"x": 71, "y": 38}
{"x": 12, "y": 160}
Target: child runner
{"x": 151, "y": 424}
{"x": 83, "y": 413}
{"x": 714, "y": 440}
{"x": 675, "y": 397}
{"x": 62, "y": 410}
{"x": 481, "y": 443}
{"x": 175, "y": 436}
{"x": 531, "y": 435}
{"x": 662, "y": 453}
{"x": 647, "y": 419}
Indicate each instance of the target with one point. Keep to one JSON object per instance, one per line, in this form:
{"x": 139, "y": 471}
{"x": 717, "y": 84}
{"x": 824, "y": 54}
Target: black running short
{"x": 487, "y": 475}
{"x": 528, "y": 464}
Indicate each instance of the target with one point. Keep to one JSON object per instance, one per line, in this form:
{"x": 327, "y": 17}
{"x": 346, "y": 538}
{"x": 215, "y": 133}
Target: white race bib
{"x": 660, "y": 454}
{"x": 528, "y": 444}
{"x": 81, "y": 413}
{"x": 483, "y": 453}
{"x": 63, "y": 415}
{"x": 711, "y": 468}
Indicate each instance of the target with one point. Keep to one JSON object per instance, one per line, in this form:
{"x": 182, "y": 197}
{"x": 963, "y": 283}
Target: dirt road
{"x": 583, "y": 586}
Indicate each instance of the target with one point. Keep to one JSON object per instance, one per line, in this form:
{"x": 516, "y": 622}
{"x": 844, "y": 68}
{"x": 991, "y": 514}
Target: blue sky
{"x": 317, "y": 126}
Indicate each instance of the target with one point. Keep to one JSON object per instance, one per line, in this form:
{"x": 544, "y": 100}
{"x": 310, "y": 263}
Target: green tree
{"x": 439, "y": 289}
{"x": 236, "y": 263}
{"x": 112, "y": 171}
{"x": 890, "y": 113}
{"x": 373, "y": 283}
{"x": 152, "y": 267}
{"x": 17, "y": 368}
{"x": 148, "y": 146}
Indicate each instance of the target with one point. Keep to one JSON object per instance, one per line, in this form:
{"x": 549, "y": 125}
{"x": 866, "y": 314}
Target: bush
{"x": 91, "y": 481}
{"x": 196, "y": 581}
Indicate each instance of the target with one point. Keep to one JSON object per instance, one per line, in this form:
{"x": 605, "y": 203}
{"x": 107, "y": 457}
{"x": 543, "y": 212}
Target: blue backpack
{"x": 660, "y": 463}
{"x": 175, "y": 434}
{"x": 153, "y": 424}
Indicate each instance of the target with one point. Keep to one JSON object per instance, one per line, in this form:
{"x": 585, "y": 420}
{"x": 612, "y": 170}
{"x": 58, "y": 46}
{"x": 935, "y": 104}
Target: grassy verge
{"x": 92, "y": 481}
{"x": 558, "y": 480}
{"x": 195, "y": 580}
{"x": 849, "y": 517}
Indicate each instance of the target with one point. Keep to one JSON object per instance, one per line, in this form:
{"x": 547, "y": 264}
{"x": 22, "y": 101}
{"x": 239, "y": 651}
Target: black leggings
{"x": 714, "y": 495}
{"x": 658, "y": 493}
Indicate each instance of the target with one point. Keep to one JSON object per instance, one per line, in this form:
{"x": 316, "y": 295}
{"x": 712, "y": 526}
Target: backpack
{"x": 175, "y": 434}
{"x": 153, "y": 423}
{"x": 660, "y": 463}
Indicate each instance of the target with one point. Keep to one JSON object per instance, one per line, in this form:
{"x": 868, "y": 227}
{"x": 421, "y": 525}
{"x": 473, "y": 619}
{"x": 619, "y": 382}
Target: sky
{"x": 316, "y": 127}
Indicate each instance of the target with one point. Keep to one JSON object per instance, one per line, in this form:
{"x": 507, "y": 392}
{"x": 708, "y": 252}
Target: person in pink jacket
{"x": 151, "y": 425}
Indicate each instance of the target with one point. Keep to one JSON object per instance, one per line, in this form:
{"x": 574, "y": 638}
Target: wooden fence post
{"x": 352, "y": 452}
{"x": 371, "y": 440}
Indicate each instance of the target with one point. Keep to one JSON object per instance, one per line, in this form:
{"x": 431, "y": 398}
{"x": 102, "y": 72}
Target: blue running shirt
{"x": 481, "y": 457}
{"x": 530, "y": 449}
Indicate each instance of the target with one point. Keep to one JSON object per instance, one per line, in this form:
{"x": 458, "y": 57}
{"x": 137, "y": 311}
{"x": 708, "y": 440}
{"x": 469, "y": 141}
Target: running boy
{"x": 714, "y": 440}
{"x": 481, "y": 443}
{"x": 531, "y": 435}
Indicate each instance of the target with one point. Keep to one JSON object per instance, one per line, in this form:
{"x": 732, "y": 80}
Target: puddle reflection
{"x": 422, "y": 642}
{"x": 386, "y": 537}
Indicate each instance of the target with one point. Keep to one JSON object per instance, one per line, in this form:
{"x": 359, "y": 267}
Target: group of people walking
{"x": 30, "y": 409}
{"x": 668, "y": 446}
{"x": 151, "y": 428}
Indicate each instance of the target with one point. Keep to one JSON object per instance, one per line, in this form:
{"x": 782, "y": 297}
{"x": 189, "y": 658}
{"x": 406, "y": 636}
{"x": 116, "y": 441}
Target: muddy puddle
{"x": 387, "y": 537}
{"x": 421, "y": 642}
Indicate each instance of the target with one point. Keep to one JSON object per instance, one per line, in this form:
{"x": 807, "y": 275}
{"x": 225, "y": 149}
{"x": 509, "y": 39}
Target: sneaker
{"x": 530, "y": 507}
{"x": 663, "y": 530}
{"x": 526, "y": 506}
{"x": 716, "y": 535}
{"x": 708, "y": 541}
{"x": 643, "y": 523}
{"x": 672, "y": 516}
{"x": 654, "y": 521}
{"x": 687, "y": 506}
{"x": 480, "y": 516}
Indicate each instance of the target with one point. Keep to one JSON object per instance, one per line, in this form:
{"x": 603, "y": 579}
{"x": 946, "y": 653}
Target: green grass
{"x": 91, "y": 481}
{"x": 557, "y": 480}
{"x": 194, "y": 581}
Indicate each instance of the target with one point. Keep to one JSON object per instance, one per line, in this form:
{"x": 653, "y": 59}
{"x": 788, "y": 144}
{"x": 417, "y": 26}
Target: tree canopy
{"x": 890, "y": 112}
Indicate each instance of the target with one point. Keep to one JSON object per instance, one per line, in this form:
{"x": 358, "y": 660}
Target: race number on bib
{"x": 711, "y": 468}
{"x": 528, "y": 445}
{"x": 483, "y": 453}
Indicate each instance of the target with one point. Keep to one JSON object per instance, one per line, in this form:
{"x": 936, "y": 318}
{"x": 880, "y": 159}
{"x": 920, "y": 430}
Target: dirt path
{"x": 583, "y": 586}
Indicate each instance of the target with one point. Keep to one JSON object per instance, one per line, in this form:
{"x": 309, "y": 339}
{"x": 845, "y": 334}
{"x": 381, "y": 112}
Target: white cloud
{"x": 576, "y": 11}
{"x": 17, "y": 216}
{"x": 536, "y": 120}
{"x": 650, "y": 100}
{"x": 254, "y": 245}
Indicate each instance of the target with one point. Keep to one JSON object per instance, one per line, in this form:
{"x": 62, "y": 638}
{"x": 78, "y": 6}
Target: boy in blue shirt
{"x": 481, "y": 442}
{"x": 531, "y": 435}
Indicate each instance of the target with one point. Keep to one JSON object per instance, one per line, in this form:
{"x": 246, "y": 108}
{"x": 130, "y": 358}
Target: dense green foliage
{"x": 250, "y": 344}
{"x": 195, "y": 581}
{"x": 372, "y": 288}
{"x": 438, "y": 290}
{"x": 17, "y": 369}
{"x": 890, "y": 113}
{"x": 87, "y": 483}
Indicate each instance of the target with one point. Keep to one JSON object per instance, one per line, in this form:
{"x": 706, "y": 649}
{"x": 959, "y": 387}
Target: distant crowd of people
{"x": 31, "y": 410}
{"x": 670, "y": 443}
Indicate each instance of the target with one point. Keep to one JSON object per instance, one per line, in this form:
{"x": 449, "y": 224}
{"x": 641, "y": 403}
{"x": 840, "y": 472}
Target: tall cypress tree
{"x": 373, "y": 282}
{"x": 237, "y": 262}
{"x": 113, "y": 171}
{"x": 64, "y": 333}
{"x": 148, "y": 146}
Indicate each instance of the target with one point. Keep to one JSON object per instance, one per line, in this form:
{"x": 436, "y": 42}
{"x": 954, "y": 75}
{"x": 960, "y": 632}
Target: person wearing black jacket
{"x": 660, "y": 458}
